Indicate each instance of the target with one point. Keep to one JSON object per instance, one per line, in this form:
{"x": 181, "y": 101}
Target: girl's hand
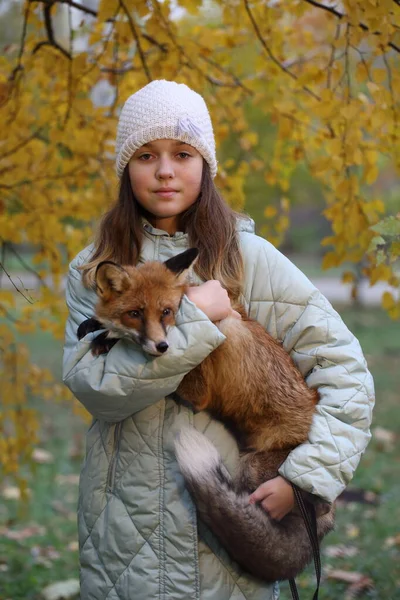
{"x": 212, "y": 299}
{"x": 276, "y": 496}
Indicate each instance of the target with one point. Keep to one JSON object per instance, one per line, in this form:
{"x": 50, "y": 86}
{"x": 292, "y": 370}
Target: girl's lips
{"x": 166, "y": 193}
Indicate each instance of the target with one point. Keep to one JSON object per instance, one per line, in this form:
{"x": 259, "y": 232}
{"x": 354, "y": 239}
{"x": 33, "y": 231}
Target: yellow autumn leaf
{"x": 379, "y": 75}
{"x": 270, "y": 211}
{"x": 348, "y": 277}
{"x": 330, "y": 260}
{"x": 388, "y": 301}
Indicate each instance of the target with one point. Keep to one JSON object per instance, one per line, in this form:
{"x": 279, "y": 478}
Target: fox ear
{"x": 181, "y": 263}
{"x": 111, "y": 279}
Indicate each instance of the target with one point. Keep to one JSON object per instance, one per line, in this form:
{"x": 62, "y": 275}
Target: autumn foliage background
{"x": 290, "y": 85}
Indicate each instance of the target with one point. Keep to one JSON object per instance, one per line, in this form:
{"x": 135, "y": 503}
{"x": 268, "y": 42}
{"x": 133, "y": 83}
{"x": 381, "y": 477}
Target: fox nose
{"x": 162, "y": 347}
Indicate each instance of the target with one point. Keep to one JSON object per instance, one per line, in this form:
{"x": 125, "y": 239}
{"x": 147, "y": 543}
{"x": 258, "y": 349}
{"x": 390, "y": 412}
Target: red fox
{"x": 250, "y": 383}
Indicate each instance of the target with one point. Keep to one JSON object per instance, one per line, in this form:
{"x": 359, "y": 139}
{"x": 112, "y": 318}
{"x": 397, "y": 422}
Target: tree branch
{"x": 120, "y": 70}
{"x": 137, "y": 40}
{"x": 237, "y": 82}
{"x": 12, "y": 282}
{"x": 270, "y": 54}
{"x": 21, "y": 144}
{"x": 50, "y": 33}
{"x": 162, "y": 47}
{"x": 96, "y": 59}
{"x": 332, "y": 58}
{"x": 22, "y": 44}
{"x": 340, "y": 15}
{"x": 52, "y": 177}
{"x": 69, "y": 83}
{"x": 71, "y": 3}
{"x": 27, "y": 267}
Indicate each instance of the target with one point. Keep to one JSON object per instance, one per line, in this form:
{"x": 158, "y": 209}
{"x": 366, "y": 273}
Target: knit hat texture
{"x": 165, "y": 110}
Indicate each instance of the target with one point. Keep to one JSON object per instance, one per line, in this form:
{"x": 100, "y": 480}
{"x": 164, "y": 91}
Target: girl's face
{"x": 165, "y": 177}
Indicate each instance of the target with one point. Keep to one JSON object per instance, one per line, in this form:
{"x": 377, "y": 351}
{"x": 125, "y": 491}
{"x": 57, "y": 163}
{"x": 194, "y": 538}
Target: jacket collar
{"x": 154, "y": 231}
{"x": 243, "y": 224}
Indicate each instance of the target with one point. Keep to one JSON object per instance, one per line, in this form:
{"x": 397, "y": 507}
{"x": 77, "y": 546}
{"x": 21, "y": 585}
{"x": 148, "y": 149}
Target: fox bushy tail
{"x": 268, "y": 549}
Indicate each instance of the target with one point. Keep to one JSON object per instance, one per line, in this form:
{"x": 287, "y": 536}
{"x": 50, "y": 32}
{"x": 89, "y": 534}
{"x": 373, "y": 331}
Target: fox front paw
{"x": 87, "y": 327}
{"x": 102, "y": 344}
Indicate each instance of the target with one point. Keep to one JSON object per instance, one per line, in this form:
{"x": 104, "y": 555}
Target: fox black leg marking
{"x": 87, "y": 327}
{"x": 102, "y": 344}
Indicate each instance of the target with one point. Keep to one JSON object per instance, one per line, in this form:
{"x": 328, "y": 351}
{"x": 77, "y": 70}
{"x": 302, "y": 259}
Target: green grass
{"x": 27, "y": 566}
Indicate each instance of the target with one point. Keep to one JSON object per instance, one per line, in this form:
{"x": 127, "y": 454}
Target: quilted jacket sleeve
{"x": 331, "y": 357}
{"x": 125, "y": 381}
{"x": 331, "y": 360}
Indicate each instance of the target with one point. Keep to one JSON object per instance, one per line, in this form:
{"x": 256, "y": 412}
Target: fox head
{"x": 141, "y": 302}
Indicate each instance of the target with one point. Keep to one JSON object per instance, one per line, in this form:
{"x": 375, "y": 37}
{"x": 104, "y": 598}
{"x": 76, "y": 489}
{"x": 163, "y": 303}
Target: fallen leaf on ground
{"x": 62, "y": 590}
{"x": 60, "y": 508}
{"x": 358, "y": 582}
{"x": 392, "y": 541}
{"x": 341, "y": 550}
{"x": 22, "y": 534}
{"x": 68, "y": 479}
{"x": 352, "y": 531}
{"x": 41, "y": 456}
{"x": 73, "y": 546}
{"x": 44, "y": 555}
{"x": 385, "y": 438}
{"x": 13, "y": 493}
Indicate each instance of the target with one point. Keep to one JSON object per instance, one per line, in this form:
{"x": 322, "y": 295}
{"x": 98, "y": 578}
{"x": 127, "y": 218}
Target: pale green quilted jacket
{"x": 139, "y": 538}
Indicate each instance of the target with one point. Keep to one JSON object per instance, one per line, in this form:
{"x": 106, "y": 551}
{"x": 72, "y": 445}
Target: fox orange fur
{"x": 251, "y": 384}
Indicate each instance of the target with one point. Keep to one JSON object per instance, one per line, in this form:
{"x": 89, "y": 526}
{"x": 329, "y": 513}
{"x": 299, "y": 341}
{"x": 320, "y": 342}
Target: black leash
{"x": 310, "y": 521}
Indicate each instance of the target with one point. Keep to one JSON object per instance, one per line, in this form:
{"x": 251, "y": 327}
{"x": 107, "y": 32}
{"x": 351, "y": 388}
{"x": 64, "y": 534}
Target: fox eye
{"x": 134, "y": 314}
{"x": 166, "y": 312}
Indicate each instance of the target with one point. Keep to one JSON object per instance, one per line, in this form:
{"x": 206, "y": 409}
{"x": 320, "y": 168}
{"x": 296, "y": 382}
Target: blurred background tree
{"x": 304, "y": 98}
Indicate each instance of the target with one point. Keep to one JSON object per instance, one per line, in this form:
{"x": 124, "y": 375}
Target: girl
{"x": 139, "y": 537}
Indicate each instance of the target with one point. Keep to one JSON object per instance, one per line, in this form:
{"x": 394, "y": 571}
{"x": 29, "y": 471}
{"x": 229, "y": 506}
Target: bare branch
{"x": 21, "y": 144}
{"x": 18, "y": 290}
{"x": 340, "y": 15}
{"x": 330, "y": 9}
{"x": 137, "y": 40}
{"x": 115, "y": 78}
{"x": 53, "y": 177}
{"x": 270, "y": 54}
{"x": 80, "y": 7}
{"x": 96, "y": 60}
{"x": 361, "y": 54}
{"x": 25, "y": 265}
{"x": 347, "y": 62}
{"x": 162, "y": 47}
{"x": 237, "y": 82}
{"x": 332, "y": 58}
{"x": 119, "y": 70}
{"x": 22, "y": 44}
{"x": 69, "y": 84}
{"x": 50, "y": 33}
{"x": 71, "y": 3}
{"x": 189, "y": 63}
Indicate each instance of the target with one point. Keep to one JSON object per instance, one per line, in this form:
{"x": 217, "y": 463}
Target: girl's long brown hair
{"x": 210, "y": 223}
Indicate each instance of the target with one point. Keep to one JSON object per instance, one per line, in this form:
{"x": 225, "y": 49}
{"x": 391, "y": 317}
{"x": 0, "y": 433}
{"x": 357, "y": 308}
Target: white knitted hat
{"x": 165, "y": 110}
